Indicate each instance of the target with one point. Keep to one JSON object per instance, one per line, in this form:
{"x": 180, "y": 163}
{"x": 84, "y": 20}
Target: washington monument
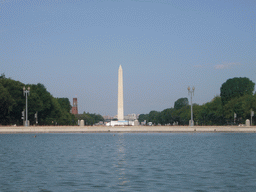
{"x": 120, "y": 107}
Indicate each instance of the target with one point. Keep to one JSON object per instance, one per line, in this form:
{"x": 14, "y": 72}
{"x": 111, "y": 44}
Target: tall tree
{"x": 143, "y": 117}
{"x": 16, "y": 99}
{"x": 182, "y": 115}
{"x": 65, "y": 104}
{"x": 242, "y": 106}
{"x": 235, "y": 88}
{"x": 6, "y": 105}
{"x": 181, "y": 102}
{"x": 154, "y": 117}
{"x": 90, "y": 119}
{"x": 167, "y": 116}
{"x": 50, "y": 109}
{"x": 210, "y": 113}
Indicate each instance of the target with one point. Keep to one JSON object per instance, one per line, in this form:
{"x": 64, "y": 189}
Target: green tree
{"x": 51, "y": 111}
{"x": 6, "y": 105}
{"x": 167, "y": 116}
{"x": 154, "y": 117}
{"x": 182, "y": 115}
{"x": 210, "y": 113}
{"x": 181, "y": 103}
{"x": 143, "y": 117}
{"x": 90, "y": 119}
{"x": 65, "y": 104}
{"x": 242, "y": 106}
{"x": 42, "y": 96}
{"x": 236, "y": 87}
{"x": 196, "y": 110}
{"x": 2, "y": 76}
{"x": 15, "y": 104}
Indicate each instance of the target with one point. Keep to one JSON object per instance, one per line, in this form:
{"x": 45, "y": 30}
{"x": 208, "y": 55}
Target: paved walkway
{"x": 125, "y": 129}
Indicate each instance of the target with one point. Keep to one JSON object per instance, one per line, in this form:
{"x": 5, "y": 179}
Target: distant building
{"x": 107, "y": 117}
{"x": 131, "y": 117}
{"x": 74, "y": 108}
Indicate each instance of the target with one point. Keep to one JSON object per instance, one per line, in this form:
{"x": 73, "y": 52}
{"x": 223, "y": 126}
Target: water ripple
{"x": 128, "y": 162}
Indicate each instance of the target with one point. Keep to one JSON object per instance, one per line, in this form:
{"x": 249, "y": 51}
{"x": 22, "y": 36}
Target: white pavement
{"x": 125, "y": 129}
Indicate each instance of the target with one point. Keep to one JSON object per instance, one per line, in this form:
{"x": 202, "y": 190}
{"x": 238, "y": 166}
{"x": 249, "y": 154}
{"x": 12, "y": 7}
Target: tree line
{"x": 236, "y": 97}
{"x": 90, "y": 119}
{"x": 50, "y": 110}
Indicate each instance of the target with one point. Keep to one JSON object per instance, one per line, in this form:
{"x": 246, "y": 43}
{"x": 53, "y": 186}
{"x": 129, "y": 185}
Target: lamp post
{"x": 190, "y": 92}
{"x": 252, "y": 114}
{"x": 36, "y": 117}
{"x": 235, "y": 118}
{"x": 26, "y": 92}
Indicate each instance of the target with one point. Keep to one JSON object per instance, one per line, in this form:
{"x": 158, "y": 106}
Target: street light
{"x": 190, "y": 92}
{"x": 252, "y": 114}
{"x": 235, "y": 118}
{"x": 26, "y": 92}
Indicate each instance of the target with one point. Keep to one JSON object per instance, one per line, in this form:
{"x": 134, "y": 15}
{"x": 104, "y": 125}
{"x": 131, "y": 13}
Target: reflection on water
{"x": 128, "y": 162}
{"x": 121, "y": 163}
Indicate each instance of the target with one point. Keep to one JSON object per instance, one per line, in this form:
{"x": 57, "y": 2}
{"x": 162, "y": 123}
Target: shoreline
{"x": 126, "y": 129}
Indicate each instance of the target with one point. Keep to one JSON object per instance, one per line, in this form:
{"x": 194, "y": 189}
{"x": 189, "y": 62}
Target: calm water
{"x": 128, "y": 162}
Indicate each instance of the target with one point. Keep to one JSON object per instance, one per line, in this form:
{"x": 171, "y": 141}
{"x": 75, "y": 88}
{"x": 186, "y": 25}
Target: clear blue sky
{"x": 75, "y": 47}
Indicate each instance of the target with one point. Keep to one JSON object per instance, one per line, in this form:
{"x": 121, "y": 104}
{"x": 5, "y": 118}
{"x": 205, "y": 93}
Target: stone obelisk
{"x": 120, "y": 107}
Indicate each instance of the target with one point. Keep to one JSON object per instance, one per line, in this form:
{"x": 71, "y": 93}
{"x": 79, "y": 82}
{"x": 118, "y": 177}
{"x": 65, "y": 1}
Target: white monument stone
{"x": 81, "y": 123}
{"x": 247, "y": 123}
{"x": 120, "y": 107}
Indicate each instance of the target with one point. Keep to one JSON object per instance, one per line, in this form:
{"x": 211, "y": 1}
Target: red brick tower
{"x": 74, "y": 108}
